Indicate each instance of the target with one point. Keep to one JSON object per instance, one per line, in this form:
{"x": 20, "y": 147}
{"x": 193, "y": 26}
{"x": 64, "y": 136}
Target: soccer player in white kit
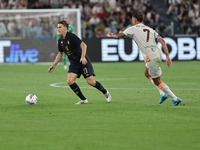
{"x": 145, "y": 37}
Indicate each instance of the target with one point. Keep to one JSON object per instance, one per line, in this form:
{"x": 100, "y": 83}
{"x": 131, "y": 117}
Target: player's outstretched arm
{"x": 84, "y": 49}
{"x": 58, "y": 58}
{"x": 117, "y": 36}
{"x": 164, "y": 46}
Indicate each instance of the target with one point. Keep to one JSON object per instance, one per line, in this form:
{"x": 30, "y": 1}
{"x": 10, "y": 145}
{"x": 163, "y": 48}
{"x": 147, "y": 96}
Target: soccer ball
{"x": 31, "y": 99}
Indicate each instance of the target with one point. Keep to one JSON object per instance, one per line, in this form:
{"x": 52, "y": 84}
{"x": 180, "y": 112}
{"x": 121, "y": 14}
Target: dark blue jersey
{"x": 71, "y": 47}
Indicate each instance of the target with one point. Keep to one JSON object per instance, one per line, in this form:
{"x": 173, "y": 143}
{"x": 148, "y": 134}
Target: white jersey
{"x": 145, "y": 37}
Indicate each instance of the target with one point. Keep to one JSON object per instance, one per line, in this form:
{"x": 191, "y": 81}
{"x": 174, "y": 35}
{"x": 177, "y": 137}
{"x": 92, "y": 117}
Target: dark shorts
{"x": 78, "y": 68}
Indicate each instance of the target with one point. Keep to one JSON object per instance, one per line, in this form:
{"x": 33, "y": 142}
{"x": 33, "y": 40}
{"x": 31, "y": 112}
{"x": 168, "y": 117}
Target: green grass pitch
{"x": 132, "y": 121}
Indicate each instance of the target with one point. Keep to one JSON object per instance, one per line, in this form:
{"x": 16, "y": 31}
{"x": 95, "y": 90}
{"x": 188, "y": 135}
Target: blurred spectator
{"x": 87, "y": 9}
{"x": 40, "y": 4}
{"x": 12, "y": 28}
{"x": 53, "y": 26}
{"x": 157, "y": 20}
{"x": 83, "y": 28}
{"x": 46, "y": 30}
{"x": 194, "y": 29}
{"x": 112, "y": 4}
{"x": 97, "y": 8}
{"x": 107, "y": 7}
{"x": 187, "y": 24}
{"x": 12, "y": 3}
{"x": 37, "y": 30}
{"x": 114, "y": 26}
{"x": 181, "y": 15}
{"x": 193, "y": 12}
{"x": 71, "y": 5}
{"x": 3, "y": 29}
{"x": 146, "y": 21}
{"x": 196, "y": 22}
{"x": 118, "y": 7}
{"x": 114, "y": 15}
{"x": 36, "y": 6}
{"x": 100, "y": 26}
{"x": 100, "y": 34}
{"x": 172, "y": 7}
{"x": 26, "y": 29}
{"x": 128, "y": 5}
{"x": 94, "y": 20}
{"x": 124, "y": 19}
{"x": 197, "y": 5}
{"x": 47, "y": 5}
{"x": 88, "y": 32}
{"x": 161, "y": 29}
{"x": 148, "y": 8}
{"x": 31, "y": 3}
{"x": 83, "y": 16}
{"x": 183, "y": 7}
{"x": 79, "y": 5}
{"x": 107, "y": 23}
{"x": 4, "y": 5}
{"x": 173, "y": 12}
{"x": 138, "y": 5}
{"x": 57, "y": 5}
{"x": 20, "y": 5}
{"x": 93, "y": 2}
{"x": 101, "y": 14}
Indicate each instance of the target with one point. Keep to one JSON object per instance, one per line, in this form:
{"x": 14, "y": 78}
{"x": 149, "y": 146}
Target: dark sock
{"x": 77, "y": 90}
{"x": 100, "y": 87}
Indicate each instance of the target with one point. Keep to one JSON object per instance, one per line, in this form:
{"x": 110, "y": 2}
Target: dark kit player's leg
{"x": 71, "y": 81}
{"x": 90, "y": 80}
{"x": 88, "y": 73}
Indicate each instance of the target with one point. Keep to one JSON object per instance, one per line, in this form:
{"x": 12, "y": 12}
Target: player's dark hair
{"x": 138, "y": 16}
{"x": 64, "y": 23}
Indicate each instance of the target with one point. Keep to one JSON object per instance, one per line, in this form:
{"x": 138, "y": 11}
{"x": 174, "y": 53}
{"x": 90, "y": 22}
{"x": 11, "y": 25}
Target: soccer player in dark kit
{"x": 80, "y": 63}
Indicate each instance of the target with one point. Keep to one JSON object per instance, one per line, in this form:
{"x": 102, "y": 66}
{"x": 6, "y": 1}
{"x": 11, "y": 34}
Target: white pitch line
{"x": 89, "y": 87}
{"x": 146, "y": 89}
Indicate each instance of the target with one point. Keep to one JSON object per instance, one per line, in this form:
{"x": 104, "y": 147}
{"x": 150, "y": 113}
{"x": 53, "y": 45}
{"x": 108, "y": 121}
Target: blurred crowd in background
{"x": 101, "y": 16}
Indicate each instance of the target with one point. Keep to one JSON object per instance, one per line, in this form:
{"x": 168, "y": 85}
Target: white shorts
{"x": 153, "y": 67}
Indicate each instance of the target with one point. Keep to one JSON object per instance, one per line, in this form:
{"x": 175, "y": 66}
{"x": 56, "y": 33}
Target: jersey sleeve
{"x": 129, "y": 32}
{"x": 156, "y": 35}
{"x": 76, "y": 39}
{"x": 59, "y": 46}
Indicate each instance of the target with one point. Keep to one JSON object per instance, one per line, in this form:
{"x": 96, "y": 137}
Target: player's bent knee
{"x": 91, "y": 82}
{"x": 70, "y": 82}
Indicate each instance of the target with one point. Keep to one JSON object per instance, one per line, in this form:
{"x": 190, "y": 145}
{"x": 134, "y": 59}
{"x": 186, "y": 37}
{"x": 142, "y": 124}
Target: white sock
{"x": 167, "y": 90}
{"x": 161, "y": 92}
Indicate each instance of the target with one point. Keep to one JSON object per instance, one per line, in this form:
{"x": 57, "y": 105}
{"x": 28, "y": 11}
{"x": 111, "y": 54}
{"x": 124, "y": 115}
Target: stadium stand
{"x": 101, "y": 16}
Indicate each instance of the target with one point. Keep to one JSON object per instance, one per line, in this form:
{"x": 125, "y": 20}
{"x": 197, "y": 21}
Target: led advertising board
{"x": 99, "y": 50}
{"x": 179, "y": 49}
{"x": 28, "y": 51}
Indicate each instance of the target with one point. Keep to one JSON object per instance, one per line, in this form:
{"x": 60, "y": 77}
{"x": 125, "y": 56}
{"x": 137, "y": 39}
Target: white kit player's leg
{"x": 175, "y": 100}
{"x": 163, "y": 96}
{"x": 160, "y": 91}
{"x": 155, "y": 71}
